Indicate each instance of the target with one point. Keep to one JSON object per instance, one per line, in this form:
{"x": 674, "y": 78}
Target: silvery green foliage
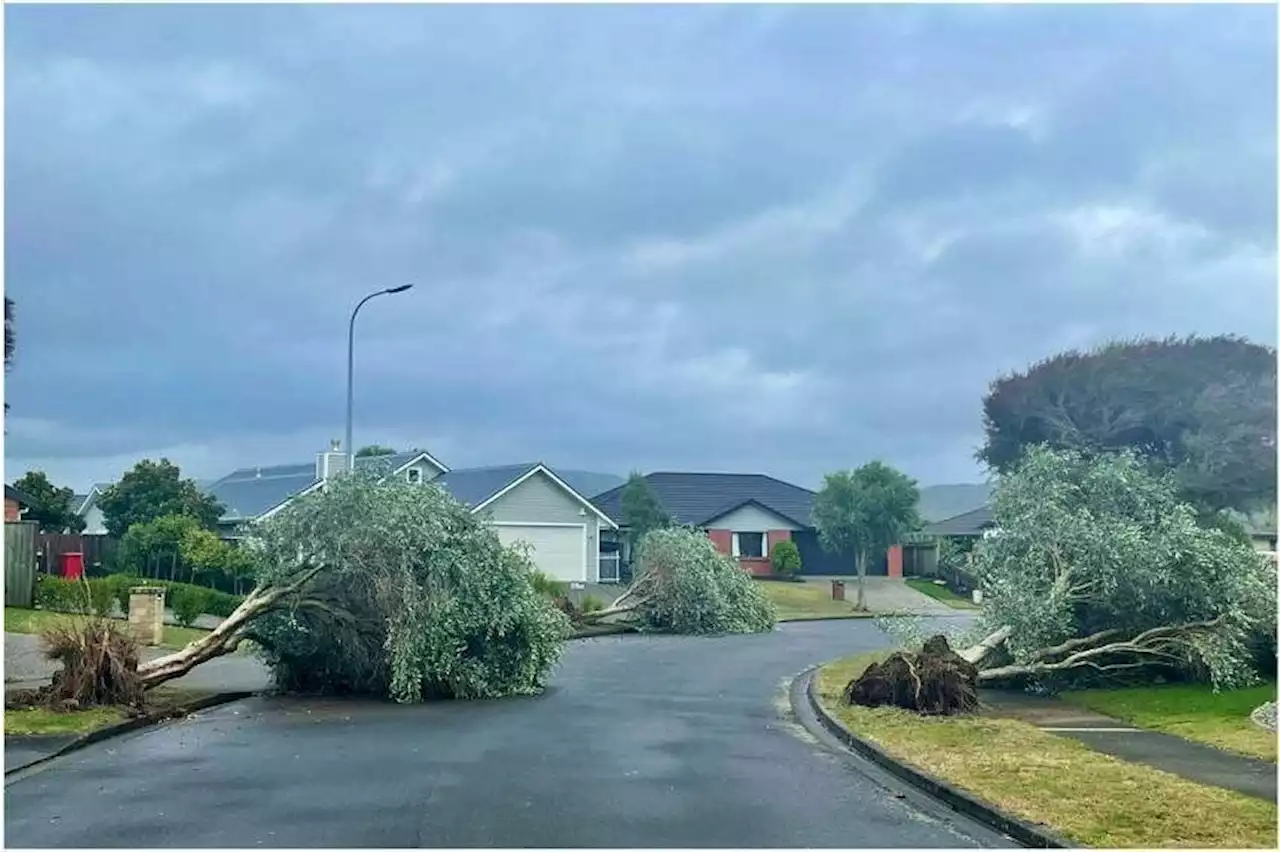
{"x": 1086, "y": 545}
{"x": 418, "y": 597}
{"x": 911, "y": 631}
{"x": 696, "y": 589}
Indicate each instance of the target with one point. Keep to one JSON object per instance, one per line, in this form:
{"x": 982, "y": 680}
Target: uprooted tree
{"x": 1098, "y": 570}
{"x": 388, "y": 589}
{"x": 684, "y": 585}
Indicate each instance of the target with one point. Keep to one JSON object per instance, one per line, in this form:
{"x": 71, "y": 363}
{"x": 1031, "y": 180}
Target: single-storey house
{"x": 528, "y": 502}
{"x": 15, "y": 503}
{"x": 745, "y": 514}
{"x": 975, "y": 523}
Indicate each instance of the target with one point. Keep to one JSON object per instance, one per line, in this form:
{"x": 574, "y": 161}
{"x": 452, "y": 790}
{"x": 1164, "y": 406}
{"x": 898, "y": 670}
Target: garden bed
{"x": 1089, "y": 797}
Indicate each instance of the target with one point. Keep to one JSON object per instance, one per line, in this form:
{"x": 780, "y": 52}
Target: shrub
{"x": 58, "y": 594}
{"x": 590, "y": 603}
{"x": 418, "y": 598}
{"x": 188, "y": 602}
{"x": 786, "y": 558}
{"x": 546, "y": 585}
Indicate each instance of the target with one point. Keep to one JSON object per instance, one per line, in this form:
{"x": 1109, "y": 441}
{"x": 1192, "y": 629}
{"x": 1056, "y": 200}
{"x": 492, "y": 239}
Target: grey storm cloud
{"x": 773, "y": 239}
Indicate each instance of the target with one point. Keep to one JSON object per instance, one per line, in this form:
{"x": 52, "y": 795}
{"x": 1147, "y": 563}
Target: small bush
{"x": 546, "y": 585}
{"x": 188, "y": 602}
{"x": 786, "y": 559}
{"x": 591, "y": 604}
{"x": 58, "y": 594}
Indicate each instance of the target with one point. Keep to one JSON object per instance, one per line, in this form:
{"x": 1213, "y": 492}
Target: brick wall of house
{"x": 895, "y": 561}
{"x": 12, "y": 512}
{"x": 723, "y": 540}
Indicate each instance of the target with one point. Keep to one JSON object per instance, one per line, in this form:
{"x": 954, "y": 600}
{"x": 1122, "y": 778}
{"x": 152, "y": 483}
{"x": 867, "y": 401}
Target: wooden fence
{"x": 96, "y": 549}
{"x": 20, "y": 563}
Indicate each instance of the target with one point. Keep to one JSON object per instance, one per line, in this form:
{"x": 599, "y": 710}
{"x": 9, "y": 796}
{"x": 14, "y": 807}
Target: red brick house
{"x": 745, "y": 514}
{"x": 15, "y": 503}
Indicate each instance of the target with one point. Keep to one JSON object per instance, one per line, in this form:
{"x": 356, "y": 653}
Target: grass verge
{"x": 800, "y": 601}
{"x": 1190, "y": 711}
{"x": 18, "y": 620}
{"x": 940, "y": 593}
{"x": 30, "y": 721}
{"x": 1087, "y": 796}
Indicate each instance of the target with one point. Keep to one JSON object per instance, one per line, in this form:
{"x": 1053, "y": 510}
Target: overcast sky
{"x": 778, "y": 240}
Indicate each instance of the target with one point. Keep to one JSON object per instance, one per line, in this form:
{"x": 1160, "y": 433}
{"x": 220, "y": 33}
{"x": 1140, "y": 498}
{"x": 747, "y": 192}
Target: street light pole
{"x": 351, "y": 360}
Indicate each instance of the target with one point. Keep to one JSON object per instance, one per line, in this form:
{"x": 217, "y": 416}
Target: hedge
{"x": 61, "y": 595}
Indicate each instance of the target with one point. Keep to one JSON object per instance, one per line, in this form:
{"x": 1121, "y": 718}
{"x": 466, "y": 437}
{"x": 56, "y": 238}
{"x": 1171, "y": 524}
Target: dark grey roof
{"x": 473, "y": 485}
{"x": 589, "y": 483}
{"x": 248, "y": 492}
{"x": 695, "y": 498}
{"x": 969, "y": 523}
{"x": 14, "y": 494}
{"x": 939, "y": 502}
{"x": 387, "y": 463}
{"x": 76, "y": 501}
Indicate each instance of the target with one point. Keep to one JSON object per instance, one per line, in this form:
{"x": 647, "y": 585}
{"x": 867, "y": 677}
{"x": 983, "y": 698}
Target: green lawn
{"x": 1082, "y": 794}
{"x": 39, "y": 720}
{"x": 799, "y": 601}
{"x": 1191, "y": 711}
{"x": 18, "y": 620}
{"x": 940, "y": 593}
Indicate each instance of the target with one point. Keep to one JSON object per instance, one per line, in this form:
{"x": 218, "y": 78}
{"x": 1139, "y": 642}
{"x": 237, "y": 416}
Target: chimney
{"x": 331, "y": 462}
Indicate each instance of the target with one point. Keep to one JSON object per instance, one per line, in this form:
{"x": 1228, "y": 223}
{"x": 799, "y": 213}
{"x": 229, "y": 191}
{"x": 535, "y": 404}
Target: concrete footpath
{"x": 1200, "y": 763}
{"x": 25, "y": 667}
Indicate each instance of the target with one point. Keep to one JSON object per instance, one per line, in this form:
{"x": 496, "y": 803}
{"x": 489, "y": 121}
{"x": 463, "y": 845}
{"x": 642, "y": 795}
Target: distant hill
{"x": 939, "y": 502}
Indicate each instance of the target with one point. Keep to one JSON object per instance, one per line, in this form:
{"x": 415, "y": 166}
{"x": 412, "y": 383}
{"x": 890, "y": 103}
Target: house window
{"x": 415, "y": 475}
{"x": 748, "y": 545}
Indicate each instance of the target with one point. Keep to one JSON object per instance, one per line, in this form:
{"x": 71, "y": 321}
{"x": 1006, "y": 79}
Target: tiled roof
{"x": 972, "y": 522}
{"x": 696, "y": 498}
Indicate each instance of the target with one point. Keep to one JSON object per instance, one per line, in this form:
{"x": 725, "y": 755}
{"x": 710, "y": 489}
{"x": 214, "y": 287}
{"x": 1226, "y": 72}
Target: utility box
{"x": 837, "y": 590}
{"x": 146, "y": 614}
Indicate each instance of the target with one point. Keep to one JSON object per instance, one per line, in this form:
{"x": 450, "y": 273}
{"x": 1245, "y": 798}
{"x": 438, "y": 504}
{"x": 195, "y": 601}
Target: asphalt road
{"x": 639, "y": 742}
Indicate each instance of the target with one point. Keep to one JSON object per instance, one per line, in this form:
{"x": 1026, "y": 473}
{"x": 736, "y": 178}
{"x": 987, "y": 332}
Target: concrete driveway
{"x": 639, "y": 742}
{"x": 891, "y": 594}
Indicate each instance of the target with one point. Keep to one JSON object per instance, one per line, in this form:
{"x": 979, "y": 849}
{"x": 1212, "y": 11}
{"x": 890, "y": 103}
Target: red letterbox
{"x": 73, "y": 565}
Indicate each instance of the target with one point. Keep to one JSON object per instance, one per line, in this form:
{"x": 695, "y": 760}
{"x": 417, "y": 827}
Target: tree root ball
{"x": 936, "y": 681}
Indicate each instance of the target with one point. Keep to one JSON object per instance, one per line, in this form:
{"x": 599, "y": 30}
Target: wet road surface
{"x": 639, "y": 742}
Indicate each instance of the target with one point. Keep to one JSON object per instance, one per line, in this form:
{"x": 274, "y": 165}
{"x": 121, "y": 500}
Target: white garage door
{"x": 559, "y": 551}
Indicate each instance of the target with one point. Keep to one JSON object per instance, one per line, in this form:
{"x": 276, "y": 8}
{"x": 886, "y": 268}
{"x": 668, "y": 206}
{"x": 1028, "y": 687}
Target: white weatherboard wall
{"x": 751, "y": 519}
{"x": 426, "y": 471}
{"x": 539, "y": 501}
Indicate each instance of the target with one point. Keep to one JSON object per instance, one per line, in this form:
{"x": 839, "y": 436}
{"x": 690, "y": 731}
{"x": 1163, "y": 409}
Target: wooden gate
{"x": 20, "y": 563}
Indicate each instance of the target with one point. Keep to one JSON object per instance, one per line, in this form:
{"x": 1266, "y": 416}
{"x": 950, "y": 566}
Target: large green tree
{"x": 1099, "y": 567}
{"x": 153, "y": 490}
{"x": 642, "y": 511}
{"x": 1204, "y": 408}
{"x": 865, "y": 512}
{"x": 50, "y": 506}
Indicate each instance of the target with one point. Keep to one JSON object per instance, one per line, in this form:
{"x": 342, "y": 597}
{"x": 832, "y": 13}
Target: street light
{"x": 351, "y": 359}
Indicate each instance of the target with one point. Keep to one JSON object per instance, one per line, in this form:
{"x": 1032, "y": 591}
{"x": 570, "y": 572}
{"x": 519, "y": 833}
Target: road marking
{"x": 1098, "y": 730}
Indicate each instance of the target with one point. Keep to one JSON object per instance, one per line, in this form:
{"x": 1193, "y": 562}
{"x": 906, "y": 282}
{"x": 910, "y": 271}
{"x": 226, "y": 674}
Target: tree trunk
{"x": 978, "y": 653}
{"x": 861, "y": 562}
{"x": 224, "y": 638}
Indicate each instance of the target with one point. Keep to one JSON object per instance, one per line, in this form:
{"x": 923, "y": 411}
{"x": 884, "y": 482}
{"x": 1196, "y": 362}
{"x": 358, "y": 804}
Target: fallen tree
{"x": 1099, "y": 571}
{"x": 389, "y": 589}
{"x": 684, "y": 585}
